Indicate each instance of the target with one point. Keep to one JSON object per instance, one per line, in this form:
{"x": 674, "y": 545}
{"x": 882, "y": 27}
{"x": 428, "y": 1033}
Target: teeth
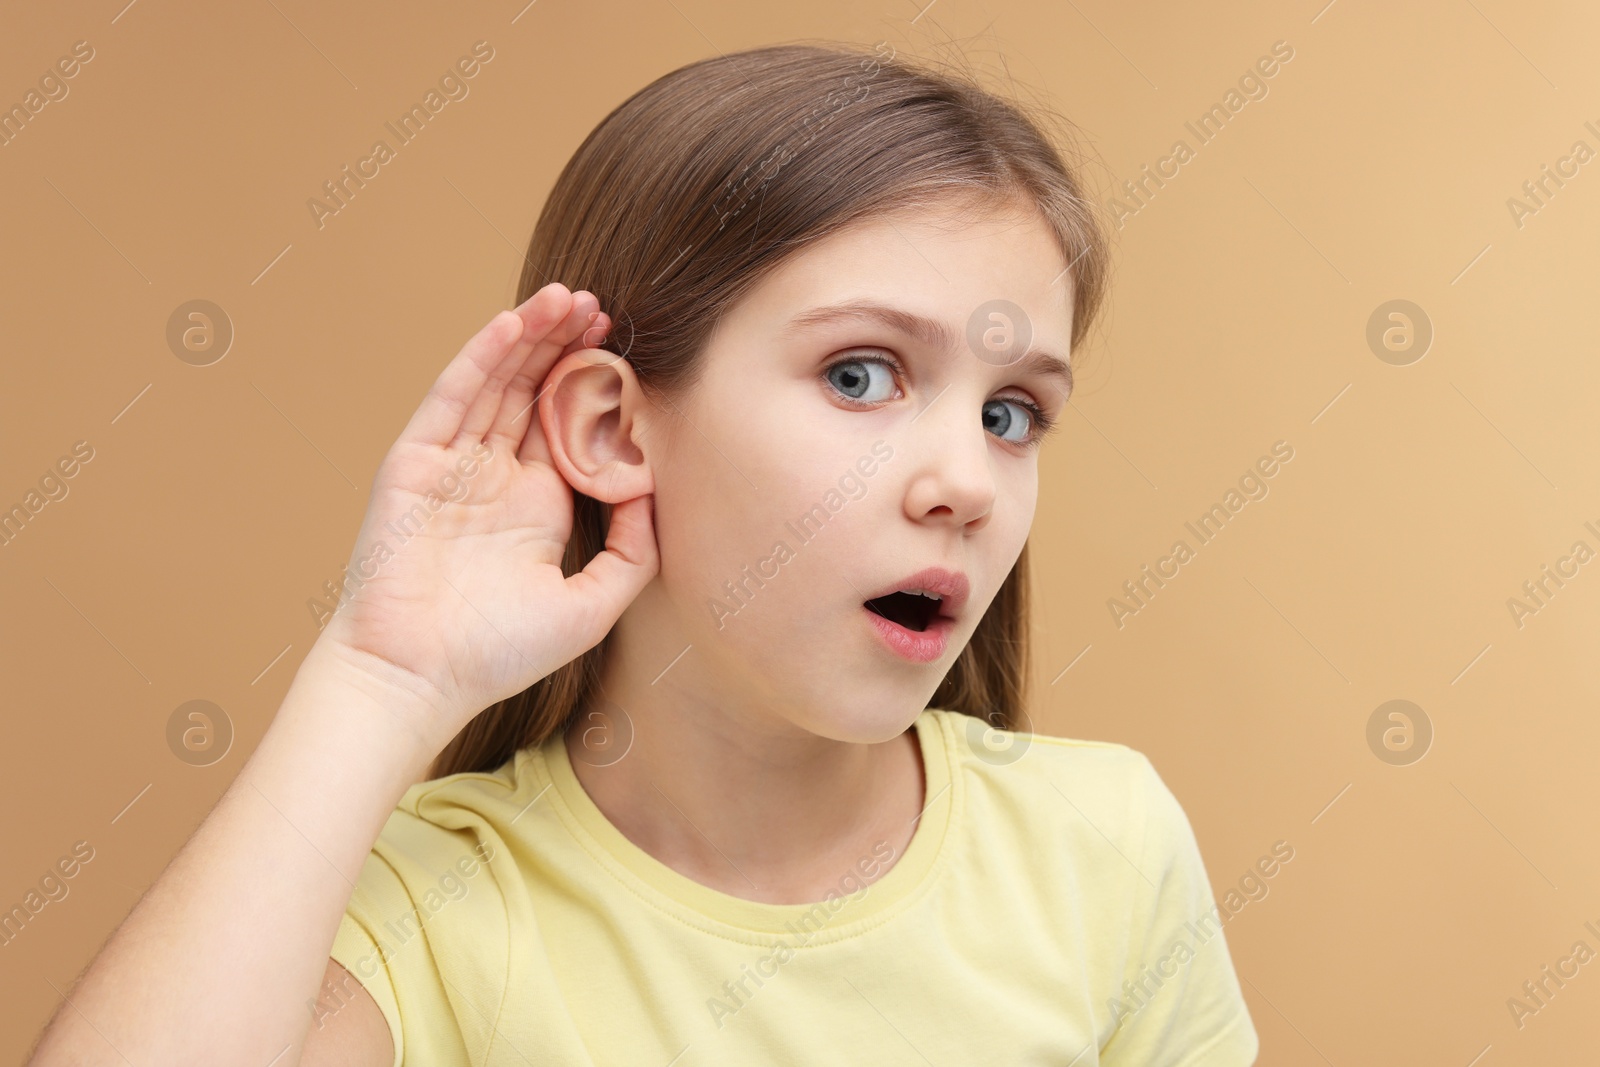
{"x": 923, "y": 593}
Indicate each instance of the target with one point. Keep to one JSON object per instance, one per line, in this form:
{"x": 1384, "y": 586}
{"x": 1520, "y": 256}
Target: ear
{"x": 592, "y": 411}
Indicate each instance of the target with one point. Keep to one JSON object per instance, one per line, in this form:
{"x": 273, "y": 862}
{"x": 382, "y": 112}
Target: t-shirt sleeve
{"x": 386, "y": 938}
{"x": 1180, "y": 1004}
{"x": 360, "y": 948}
{"x": 354, "y": 947}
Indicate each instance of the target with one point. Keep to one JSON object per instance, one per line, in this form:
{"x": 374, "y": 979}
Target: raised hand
{"x": 462, "y": 596}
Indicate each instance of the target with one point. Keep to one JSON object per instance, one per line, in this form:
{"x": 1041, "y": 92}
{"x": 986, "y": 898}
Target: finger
{"x": 438, "y": 418}
{"x": 518, "y": 421}
{"x": 593, "y": 337}
{"x": 543, "y": 318}
{"x": 515, "y": 425}
{"x": 616, "y": 575}
{"x": 514, "y": 415}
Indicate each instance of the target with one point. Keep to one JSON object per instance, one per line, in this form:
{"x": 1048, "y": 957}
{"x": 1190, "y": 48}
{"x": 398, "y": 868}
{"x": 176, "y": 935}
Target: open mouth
{"x": 911, "y": 610}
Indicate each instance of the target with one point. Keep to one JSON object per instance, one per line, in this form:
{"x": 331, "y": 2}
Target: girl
{"x": 743, "y": 595}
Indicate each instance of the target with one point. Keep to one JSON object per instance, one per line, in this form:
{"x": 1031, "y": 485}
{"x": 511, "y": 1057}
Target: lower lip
{"x": 918, "y": 646}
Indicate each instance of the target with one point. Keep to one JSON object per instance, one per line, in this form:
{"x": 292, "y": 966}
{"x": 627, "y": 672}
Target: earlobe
{"x": 590, "y": 409}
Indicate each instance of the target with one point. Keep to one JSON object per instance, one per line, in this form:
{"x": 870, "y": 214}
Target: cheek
{"x": 1015, "y": 506}
{"x": 731, "y": 500}
{"x": 1018, "y": 496}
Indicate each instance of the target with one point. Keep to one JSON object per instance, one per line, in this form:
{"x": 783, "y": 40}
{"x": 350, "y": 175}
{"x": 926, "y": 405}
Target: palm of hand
{"x": 470, "y": 599}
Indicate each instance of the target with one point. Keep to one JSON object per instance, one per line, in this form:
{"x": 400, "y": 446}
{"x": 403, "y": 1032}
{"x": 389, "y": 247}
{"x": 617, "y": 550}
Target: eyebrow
{"x": 930, "y": 333}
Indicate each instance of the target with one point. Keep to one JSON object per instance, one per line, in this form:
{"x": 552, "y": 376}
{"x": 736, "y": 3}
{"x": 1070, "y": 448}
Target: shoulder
{"x": 1109, "y": 789}
{"x": 440, "y": 875}
{"x": 1000, "y": 747}
{"x": 1097, "y": 770}
{"x": 1096, "y": 829}
{"x": 459, "y": 800}
{"x": 443, "y": 832}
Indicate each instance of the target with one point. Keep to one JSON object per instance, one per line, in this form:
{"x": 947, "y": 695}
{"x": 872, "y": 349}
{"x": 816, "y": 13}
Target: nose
{"x": 952, "y": 482}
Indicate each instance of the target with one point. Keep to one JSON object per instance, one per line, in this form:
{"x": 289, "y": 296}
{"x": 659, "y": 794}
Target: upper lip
{"x": 949, "y": 586}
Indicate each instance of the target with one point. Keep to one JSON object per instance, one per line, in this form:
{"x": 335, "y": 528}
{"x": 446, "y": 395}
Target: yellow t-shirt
{"x": 1051, "y": 908}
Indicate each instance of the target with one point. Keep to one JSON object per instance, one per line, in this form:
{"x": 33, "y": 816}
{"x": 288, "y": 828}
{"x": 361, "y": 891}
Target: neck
{"x": 737, "y": 797}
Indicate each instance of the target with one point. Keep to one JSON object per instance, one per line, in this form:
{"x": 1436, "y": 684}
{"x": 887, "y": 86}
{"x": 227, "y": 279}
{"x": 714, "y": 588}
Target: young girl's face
{"x": 827, "y": 456}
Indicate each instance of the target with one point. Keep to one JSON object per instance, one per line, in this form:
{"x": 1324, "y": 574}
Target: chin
{"x": 865, "y": 717}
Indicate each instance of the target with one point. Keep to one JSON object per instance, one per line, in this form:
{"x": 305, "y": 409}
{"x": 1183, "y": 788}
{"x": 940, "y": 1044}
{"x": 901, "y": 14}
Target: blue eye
{"x": 866, "y": 380}
{"x": 1014, "y": 420}
{"x": 1008, "y": 420}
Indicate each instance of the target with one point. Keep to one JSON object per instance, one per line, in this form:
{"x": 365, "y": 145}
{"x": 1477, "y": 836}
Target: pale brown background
{"x": 1378, "y": 167}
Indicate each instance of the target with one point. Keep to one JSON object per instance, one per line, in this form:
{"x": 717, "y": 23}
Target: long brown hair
{"x": 708, "y": 178}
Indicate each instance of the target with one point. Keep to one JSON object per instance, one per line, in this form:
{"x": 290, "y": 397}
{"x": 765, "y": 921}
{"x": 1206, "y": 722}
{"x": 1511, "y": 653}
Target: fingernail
{"x": 593, "y": 315}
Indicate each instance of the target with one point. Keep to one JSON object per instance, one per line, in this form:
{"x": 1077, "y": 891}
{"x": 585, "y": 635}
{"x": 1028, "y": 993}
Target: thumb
{"x": 615, "y": 576}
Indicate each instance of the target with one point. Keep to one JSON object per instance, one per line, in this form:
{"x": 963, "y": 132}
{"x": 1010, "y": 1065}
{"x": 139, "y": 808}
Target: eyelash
{"x": 1040, "y": 423}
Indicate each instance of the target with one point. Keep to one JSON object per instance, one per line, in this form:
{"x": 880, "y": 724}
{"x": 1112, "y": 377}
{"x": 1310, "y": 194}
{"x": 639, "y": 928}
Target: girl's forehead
{"x": 943, "y": 245}
{"x": 933, "y": 279}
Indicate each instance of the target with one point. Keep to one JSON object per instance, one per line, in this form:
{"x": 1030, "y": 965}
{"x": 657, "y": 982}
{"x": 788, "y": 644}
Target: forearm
{"x": 217, "y": 961}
